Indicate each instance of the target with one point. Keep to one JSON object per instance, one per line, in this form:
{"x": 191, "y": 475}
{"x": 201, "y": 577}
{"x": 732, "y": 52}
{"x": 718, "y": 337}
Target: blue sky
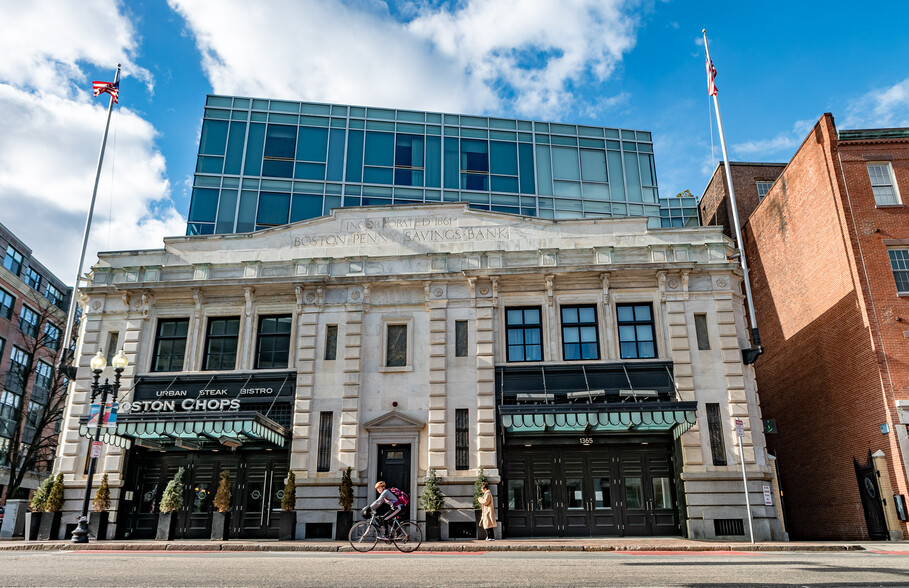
{"x": 605, "y": 62}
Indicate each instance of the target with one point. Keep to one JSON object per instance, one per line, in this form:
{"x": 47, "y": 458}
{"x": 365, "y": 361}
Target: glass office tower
{"x": 264, "y": 163}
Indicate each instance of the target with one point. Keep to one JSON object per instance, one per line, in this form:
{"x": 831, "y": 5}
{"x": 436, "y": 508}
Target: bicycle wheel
{"x": 363, "y": 536}
{"x": 408, "y": 537}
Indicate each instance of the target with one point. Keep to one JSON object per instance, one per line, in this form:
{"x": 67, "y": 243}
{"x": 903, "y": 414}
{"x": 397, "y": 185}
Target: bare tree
{"x": 32, "y": 403}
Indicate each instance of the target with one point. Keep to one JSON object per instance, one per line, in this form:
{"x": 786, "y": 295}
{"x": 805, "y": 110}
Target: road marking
{"x": 890, "y": 552}
{"x": 414, "y": 552}
{"x": 689, "y": 553}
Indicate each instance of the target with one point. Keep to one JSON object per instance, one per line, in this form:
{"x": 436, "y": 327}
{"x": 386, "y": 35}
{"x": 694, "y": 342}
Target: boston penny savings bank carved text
{"x": 420, "y": 229}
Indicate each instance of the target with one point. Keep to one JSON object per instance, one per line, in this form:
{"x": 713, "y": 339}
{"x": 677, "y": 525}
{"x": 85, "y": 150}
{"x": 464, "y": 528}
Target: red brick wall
{"x": 820, "y": 377}
{"x": 714, "y": 204}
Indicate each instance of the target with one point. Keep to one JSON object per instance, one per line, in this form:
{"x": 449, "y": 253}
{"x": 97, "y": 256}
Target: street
{"x": 868, "y": 568}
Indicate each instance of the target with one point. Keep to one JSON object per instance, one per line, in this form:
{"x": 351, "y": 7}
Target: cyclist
{"x": 386, "y": 507}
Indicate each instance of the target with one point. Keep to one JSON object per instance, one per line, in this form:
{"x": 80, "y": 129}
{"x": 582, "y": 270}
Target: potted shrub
{"x": 478, "y": 510}
{"x": 97, "y": 520}
{"x": 345, "y": 500}
{"x": 171, "y": 502}
{"x": 432, "y": 500}
{"x": 288, "y": 524}
{"x": 36, "y": 506}
{"x": 220, "y": 522}
{"x": 50, "y": 520}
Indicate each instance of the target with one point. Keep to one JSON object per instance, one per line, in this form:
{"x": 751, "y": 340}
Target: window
{"x": 396, "y": 346}
{"x": 324, "y": 459}
{"x": 28, "y": 321}
{"x": 885, "y": 192}
{"x": 9, "y": 404}
{"x": 32, "y": 278}
{"x": 715, "y": 429}
{"x": 331, "y": 342}
{"x": 43, "y": 378}
{"x": 170, "y": 345}
{"x": 13, "y": 260}
{"x": 51, "y": 336}
{"x": 762, "y": 189}
{"x": 462, "y": 439}
{"x": 273, "y": 344}
{"x": 54, "y": 295}
{"x": 280, "y": 146}
{"x": 7, "y": 301}
{"x": 409, "y": 160}
{"x": 16, "y": 377}
{"x": 899, "y": 262}
{"x": 700, "y": 330}
{"x": 221, "y": 343}
{"x": 636, "y": 333}
{"x": 113, "y": 340}
{"x": 460, "y": 338}
{"x": 474, "y": 165}
{"x": 524, "y": 334}
{"x": 579, "y": 333}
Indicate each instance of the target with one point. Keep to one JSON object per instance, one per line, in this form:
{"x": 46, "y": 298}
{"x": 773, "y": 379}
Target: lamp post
{"x": 98, "y": 363}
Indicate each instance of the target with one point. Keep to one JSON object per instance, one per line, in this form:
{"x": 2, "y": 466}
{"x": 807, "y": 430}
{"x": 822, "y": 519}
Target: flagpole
{"x": 755, "y": 336}
{"x": 71, "y": 317}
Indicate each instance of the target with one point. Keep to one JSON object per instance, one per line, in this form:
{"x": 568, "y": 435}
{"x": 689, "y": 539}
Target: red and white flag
{"x": 711, "y": 78}
{"x": 113, "y": 89}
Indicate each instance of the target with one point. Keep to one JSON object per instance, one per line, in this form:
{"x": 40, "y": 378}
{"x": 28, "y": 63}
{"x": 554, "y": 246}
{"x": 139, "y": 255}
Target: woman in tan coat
{"x": 488, "y": 518}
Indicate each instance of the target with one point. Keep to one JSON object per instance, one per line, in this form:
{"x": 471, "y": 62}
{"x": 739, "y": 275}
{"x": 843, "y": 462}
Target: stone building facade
{"x": 590, "y": 368}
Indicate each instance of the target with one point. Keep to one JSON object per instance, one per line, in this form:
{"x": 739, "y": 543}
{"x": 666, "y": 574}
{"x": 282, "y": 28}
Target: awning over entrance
{"x": 637, "y": 417}
{"x": 184, "y": 429}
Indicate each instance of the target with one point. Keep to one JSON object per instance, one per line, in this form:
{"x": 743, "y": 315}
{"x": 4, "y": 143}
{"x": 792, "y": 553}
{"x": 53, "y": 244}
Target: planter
{"x": 220, "y": 526}
{"x": 433, "y": 526}
{"x": 97, "y": 525}
{"x": 167, "y": 524}
{"x": 287, "y": 526}
{"x": 343, "y": 524}
{"x": 481, "y": 532}
{"x": 14, "y": 519}
{"x": 50, "y": 526}
{"x": 32, "y": 525}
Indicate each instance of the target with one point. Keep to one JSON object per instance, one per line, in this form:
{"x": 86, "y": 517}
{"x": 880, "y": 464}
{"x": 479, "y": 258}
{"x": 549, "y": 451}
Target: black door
{"x": 394, "y": 468}
{"x": 586, "y": 503}
{"x": 648, "y": 497}
{"x": 871, "y": 499}
{"x": 139, "y": 509}
{"x": 260, "y": 489}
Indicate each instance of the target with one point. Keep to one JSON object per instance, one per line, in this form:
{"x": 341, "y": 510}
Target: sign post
{"x": 740, "y": 433}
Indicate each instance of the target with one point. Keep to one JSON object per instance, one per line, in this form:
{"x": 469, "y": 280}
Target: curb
{"x": 433, "y": 547}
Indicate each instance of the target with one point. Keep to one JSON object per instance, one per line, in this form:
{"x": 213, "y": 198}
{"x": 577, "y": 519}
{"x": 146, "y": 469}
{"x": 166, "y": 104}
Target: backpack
{"x": 403, "y": 498}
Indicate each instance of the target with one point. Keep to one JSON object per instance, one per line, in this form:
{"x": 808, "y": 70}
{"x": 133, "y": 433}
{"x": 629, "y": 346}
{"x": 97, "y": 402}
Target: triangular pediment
{"x": 394, "y": 421}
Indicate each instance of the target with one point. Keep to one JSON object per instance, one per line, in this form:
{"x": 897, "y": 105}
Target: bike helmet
{"x": 380, "y": 484}
{"x": 366, "y": 512}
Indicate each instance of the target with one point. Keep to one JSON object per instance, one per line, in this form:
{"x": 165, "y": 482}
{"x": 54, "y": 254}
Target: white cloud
{"x": 480, "y": 56}
{"x": 783, "y": 145}
{"x": 880, "y": 108}
{"x": 50, "y": 133}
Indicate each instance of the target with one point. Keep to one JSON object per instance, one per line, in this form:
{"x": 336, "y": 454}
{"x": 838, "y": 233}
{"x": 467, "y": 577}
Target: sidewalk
{"x": 645, "y": 544}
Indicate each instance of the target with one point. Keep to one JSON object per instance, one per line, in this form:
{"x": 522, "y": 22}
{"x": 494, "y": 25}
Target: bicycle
{"x": 406, "y": 536}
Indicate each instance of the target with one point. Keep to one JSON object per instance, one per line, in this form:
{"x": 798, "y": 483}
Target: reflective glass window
{"x": 379, "y": 149}
{"x": 396, "y": 345}
{"x": 209, "y": 164}
{"x": 279, "y": 141}
{"x": 234, "y": 160}
{"x": 214, "y": 137}
{"x": 452, "y": 169}
{"x": 617, "y": 185}
{"x": 574, "y": 493}
{"x": 28, "y": 321}
{"x": 634, "y": 493}
{"x": 433, "y": 162}
{"x": 203, "y": 205}
{"x": 633, "y": 178}
{"x": 273, "y": 208}
{"x": 312, "y": 144}
{"x": 636, "y": 331}
{"x": 544, "y": 171}
{"x": 579, "y": 333}
{"x": 544, "y": 494}
{"x": 602, "y": 495}
{"x": 170, "y": 345}
{"x": 246, "y": 214}
{"x": 524, "y": 334}
{"x": 474, "y": 156}
{"x": 254, "y": 146}
{"x": 331, "y": 342}
{"x": 565, "y": 164}
{"x": 378, "y": 175}
{"x": 409, "y": 151}
{"x": 593, "y": 165}
{"x": 32, "y": 278}
{"x": 662, "y": 493}
{"x": 52, "y": 294}
{"x": 305, "y": 206}
{"x": 525, "y": 152}
{"x": 273, "y": 342}
{"x": 13, "y": 260}
{"x": 516, "y": 495}
{"x": 7, "y": 301}
{"x": 336, "y": 155}
{"x": 355, "y": 156}
{"x": 648, "y": 171}
{"x": 503, "y": 184}
{"x": 474, "y": 182}
{"x": 309, "y": 171}
{"x": 221, "y": 343}
{"x": 226, "y": 210}
{"x": 503, "y": 158}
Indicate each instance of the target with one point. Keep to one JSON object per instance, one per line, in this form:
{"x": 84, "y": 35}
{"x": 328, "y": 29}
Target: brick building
{"x": 33, "y": 305}
{"x": 751, "y": 180}
{"x": 829, "y": 248}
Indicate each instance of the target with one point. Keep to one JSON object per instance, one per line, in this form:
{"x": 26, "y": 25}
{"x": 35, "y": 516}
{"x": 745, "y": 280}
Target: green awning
{"x": 248, "y": 426}
{"x": 655, "y": 417}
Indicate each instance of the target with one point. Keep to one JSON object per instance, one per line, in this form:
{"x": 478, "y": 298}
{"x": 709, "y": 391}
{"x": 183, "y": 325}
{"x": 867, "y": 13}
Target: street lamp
{"x": 98, "y": 363}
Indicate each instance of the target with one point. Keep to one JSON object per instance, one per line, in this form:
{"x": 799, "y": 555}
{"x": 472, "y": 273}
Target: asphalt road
{"x": 21, "y": 568}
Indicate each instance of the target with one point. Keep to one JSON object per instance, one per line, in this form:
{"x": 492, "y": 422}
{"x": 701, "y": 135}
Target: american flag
{"x": 711, "y": 78}
{"x": 112, "y": 89}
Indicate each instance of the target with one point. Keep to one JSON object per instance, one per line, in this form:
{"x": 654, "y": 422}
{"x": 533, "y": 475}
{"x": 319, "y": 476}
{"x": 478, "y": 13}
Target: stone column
{"x": 350, "y": 399}
{"x": 438, "y": 392}
{"x": 486, "y": 382}
{"x": 307, "y": 328}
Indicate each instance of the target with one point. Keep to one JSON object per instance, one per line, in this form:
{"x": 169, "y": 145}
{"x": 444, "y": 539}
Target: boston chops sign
{"x": 207, "y": 393}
